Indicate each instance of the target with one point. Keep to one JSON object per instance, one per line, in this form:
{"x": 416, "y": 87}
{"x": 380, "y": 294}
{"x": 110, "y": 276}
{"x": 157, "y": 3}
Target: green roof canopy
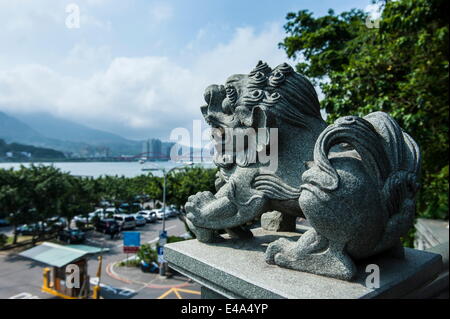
{"x": 59, "y": 255}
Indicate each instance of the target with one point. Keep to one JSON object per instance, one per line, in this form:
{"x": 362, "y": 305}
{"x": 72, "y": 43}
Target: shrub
{"x": 147, "y": 253}
{"x": 130, "y": 263}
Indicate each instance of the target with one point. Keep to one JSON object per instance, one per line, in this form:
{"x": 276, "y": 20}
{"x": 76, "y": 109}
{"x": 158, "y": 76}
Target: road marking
{"x": 188, "y": 291}
{"x": 164, "y": 295}
{"x": 123, "y": 291}
{"x": 110, "y": 271}
{"x": 177, "y": 291}
{"x": 24, "y": 295}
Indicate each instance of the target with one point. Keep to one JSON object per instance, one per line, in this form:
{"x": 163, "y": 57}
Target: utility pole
{"x": 164, "y": 199}
{"x": 162, "y": 239}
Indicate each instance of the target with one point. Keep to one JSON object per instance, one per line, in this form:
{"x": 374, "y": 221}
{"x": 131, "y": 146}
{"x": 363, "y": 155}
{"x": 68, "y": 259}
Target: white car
{"x": 150, "y": 216}
{"x": 113, "y": 211}
{"x": 90, "y": 216}
{"x": 160, "y": 214}
{"x": 126, "y": 221}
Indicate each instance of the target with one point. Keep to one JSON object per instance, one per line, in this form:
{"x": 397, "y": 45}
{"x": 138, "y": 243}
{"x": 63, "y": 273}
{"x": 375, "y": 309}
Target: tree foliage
{"x": 36, "y": 193}
{"x": 400, "y": 68}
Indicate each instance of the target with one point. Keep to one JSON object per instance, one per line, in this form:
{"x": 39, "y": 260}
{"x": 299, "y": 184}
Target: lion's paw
{"x": 196, "y": 203}
{"x": 276, "y": 248}
{"x": 203, "y": 235}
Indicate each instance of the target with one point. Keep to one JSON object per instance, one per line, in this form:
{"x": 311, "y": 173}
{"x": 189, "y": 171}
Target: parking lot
{"x": 21, "y": 278}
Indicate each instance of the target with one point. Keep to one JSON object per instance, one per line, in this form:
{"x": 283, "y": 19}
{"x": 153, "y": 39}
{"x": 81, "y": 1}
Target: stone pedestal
{"x": 237, "y": 269}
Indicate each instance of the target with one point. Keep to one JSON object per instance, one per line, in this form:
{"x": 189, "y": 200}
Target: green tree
{"x": 400, "y": 68}
{"x": 44, "y": 193}
{"x": 188, "y": 181}
{"x": 115, "y": 189}
{"x": 14, "y": 204}
{"x": 79, "y": 197}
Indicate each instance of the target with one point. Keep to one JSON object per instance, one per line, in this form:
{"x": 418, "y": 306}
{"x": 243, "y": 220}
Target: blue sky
{"x": 136, "y": 68}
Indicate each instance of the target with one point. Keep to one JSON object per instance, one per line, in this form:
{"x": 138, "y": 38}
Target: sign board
{"x": 162, "y": 238}
{"x": 163, "y": 234}
{"x": 130, "y": 249}
{"x": 161, "y": 254}
{"x": 131, "y": 241}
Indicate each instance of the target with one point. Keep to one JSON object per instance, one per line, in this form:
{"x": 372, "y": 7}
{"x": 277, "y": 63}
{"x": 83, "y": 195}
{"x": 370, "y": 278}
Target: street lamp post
{"x": 162, "y": 266}
{"x": 164, "y": 197}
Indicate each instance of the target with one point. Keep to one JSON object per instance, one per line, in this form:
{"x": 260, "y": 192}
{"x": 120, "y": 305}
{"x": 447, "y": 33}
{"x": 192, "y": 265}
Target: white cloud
{"x": 30, "y": 15}
{"x": 84, "y": 58}
{"x": 374, "y": 10}
{"x": 26, "y": 15}
{"x": 242, "y": 53}
{"x": 160, "y": 12}
{"x": 136, "y": 94}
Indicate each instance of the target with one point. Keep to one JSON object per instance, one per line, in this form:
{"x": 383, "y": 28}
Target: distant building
{"x": 155, "y": 149}
{"x": 165, "y": 150}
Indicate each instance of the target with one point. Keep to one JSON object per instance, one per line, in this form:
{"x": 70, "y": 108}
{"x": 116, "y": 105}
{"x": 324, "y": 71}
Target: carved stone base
{"x": 237, "y": 269}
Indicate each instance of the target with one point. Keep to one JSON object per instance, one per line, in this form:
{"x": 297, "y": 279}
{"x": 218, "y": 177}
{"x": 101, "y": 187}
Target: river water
{"x": 96, "y": 169}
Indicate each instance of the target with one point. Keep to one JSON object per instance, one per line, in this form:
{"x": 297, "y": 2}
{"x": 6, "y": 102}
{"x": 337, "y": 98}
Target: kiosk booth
{"x": 67, "y": 276}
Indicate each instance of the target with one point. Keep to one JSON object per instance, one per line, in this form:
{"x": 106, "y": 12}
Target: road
{"x": 22, "y": 278}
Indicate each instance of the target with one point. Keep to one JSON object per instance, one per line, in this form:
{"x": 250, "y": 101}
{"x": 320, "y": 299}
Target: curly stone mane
{"x": 281, "y": 91}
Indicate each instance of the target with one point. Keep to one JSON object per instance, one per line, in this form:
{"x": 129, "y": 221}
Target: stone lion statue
{"x": 354, "y": 181}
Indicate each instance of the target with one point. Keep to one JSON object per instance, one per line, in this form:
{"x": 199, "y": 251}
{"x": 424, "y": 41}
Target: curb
{"x": 167, "y": 286}
{"x": 110, "y": 272}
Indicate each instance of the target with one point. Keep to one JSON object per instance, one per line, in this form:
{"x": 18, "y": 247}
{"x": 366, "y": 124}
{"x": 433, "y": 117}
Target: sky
{"x": 137, "y": 68}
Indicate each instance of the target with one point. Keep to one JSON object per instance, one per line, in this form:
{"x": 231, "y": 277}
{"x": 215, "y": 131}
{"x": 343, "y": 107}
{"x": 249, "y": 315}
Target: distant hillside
{"x": 44, "y": 130}
{"x": 12, "y": 129}
{"x": 53, "y": 127}
{"x": 15, "y": 151}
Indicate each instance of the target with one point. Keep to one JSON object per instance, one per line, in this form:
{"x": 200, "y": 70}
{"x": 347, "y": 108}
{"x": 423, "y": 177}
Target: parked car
{"x": 140, "y": 220}
{"x": 125, "y": 221}
{"x": 160, "y": 214}
{"x": 104, "y": 203}
{"x": 107, "y": 225}
{"x": 150, "y": 216}
{"x": 100, "y": 213}
{"x": 173, "y": 212}
{"x": 4, "y": 222}
{"x": 57, "y": 223}
{"x": 71, "y": 236}
{"x": 89, "y": 217}
{"x": 31, "y": 229}
{"x": 111, "y": 211}
{"x": 79, "y": 218}
{"x": 169, "y": 212}
{"x": 129, "y": 208}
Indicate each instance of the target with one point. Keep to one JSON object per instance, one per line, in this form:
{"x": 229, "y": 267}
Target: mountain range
{"x": 45, "y": 130}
